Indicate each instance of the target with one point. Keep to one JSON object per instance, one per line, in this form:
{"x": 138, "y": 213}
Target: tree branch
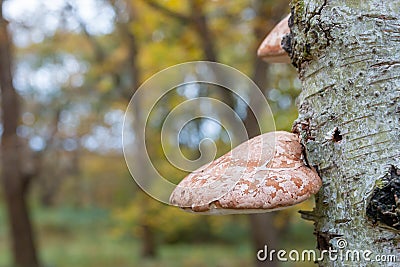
{"x": 98, "y": 50}
{"x": 167, "y": 11}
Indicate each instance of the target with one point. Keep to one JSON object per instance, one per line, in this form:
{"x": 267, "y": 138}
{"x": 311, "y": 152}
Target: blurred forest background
{"x": 75, "y": 65}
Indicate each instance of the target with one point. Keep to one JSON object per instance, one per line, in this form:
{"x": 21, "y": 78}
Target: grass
{"x": 83, "y": 237}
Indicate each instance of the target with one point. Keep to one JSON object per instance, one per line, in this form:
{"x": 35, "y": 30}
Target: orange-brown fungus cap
{"x": 263, "y": 174}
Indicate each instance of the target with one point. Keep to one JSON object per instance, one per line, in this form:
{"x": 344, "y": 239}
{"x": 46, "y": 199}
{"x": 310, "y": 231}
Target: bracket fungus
{"x": 265, "y": 173}
{"x": 271, "y": 49}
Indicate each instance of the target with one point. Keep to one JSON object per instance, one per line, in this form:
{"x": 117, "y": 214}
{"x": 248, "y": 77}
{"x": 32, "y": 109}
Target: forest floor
{"x": 84, "y": 237}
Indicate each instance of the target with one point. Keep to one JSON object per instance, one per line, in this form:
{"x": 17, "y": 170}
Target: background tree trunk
{"x": 348, "y": 57}
{"x": 147, "y": 234}
{"x": 14, "y": 185}
{"x": 263, "y": 228}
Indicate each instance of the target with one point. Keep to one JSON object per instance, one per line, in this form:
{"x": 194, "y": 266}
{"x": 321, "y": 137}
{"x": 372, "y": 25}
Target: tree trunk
{"x": 148, "y": 238}
{"x": 14, "y": 184}
{"x": 203, "y": 31}
{"x": 348, "y": 57}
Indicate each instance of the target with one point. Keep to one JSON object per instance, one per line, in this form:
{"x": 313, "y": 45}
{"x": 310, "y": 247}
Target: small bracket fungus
{"x": 271, "y": 49}
{"x": 265, "y": 173}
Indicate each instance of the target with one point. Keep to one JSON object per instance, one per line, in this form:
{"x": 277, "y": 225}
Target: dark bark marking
{"x": 384, "y": 203}
{"x": 337, "y": 137}
{"x": 317, "y": 35}
{"x": 323, "y": 240}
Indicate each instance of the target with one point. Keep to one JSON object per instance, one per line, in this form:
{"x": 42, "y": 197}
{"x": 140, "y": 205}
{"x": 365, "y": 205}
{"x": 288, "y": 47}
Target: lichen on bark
{"x": 309, "y": 36}
{"x": 348, "y": 57}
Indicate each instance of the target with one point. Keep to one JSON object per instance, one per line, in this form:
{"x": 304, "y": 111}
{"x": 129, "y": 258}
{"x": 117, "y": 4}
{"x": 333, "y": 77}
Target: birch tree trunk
{"x": 348, "y": 57}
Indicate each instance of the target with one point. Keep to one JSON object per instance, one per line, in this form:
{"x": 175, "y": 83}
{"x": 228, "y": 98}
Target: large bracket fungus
{"x": 265, "y": 173}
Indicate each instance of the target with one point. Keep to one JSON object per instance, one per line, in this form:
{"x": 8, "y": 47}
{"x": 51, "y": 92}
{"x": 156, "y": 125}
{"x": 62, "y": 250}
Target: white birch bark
{"x": 348, "y": 56}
